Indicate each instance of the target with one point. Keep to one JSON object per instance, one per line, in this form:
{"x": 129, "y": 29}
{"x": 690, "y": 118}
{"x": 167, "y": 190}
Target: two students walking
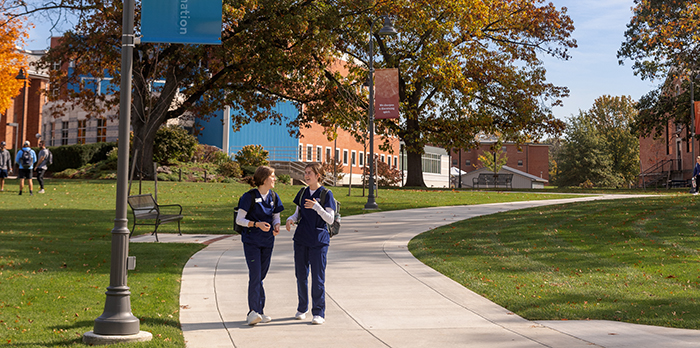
{"x": 311, "y": 239}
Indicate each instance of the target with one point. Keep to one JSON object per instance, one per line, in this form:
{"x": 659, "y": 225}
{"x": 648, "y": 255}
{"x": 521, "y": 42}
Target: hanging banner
{"x": 386, "y": 93}
{"x": 181, "y": 21}
{"x": 697, "y": 116}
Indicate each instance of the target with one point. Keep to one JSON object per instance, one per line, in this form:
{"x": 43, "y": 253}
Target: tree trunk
{"x": 415, "y": 169}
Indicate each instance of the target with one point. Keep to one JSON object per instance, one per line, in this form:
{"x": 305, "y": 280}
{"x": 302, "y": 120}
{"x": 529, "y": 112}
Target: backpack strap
{"x": 324, "y": 195}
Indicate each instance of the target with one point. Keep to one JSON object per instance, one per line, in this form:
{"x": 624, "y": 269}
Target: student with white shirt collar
{"x": 311, "y": 240}
{"x": 259, "y": 214}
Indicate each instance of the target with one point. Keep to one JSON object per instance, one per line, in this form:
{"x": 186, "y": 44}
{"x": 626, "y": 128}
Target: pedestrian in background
{"x": 5, "y": 165}
{"x": 696, "y": 173}
{"x": 259, "y": 214}
{"x": 26, "y": 157}
{"x": 311, "y": 240}
{"x": 45, "y": 159}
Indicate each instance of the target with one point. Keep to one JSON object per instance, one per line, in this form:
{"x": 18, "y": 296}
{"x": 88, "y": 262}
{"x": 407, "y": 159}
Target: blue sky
{"x": 592, "y": 71}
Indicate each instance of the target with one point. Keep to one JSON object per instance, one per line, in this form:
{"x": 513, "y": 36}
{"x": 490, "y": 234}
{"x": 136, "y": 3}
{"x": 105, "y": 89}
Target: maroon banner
{"x": 697, "y": 116}
{"x": 386, "y": 93}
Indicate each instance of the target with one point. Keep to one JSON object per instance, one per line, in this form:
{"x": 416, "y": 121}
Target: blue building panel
{"x": 274, "y": 138}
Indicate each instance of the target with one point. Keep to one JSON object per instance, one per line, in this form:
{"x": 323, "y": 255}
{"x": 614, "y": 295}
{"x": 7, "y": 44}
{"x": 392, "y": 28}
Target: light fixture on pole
{"x": 388, "y": 29}
{"x": 117, "y": 324}
{"x": 23, "y": 77}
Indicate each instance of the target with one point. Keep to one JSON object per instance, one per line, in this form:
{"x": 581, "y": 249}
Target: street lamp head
{"x": 21, "y": 75}
{"x": 388, "y": 28}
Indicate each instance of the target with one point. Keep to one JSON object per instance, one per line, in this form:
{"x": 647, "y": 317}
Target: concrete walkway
{"x": 379, "y": 295}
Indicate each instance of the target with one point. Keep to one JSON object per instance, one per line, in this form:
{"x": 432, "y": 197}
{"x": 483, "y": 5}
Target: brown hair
{"x": 317, "y": 169}
{"x": 261, "y": 174}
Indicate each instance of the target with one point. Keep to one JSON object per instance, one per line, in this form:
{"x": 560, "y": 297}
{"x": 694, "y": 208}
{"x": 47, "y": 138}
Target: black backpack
{"x": 26, "y": 159}
{"x": 240, "y": 229}
{"x": 333, "y": 228}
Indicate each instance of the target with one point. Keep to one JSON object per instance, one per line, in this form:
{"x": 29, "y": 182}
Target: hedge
{"x": 76, "y": 156}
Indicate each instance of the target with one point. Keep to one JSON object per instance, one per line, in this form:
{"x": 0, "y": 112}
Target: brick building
{"x": 529, "y": 158}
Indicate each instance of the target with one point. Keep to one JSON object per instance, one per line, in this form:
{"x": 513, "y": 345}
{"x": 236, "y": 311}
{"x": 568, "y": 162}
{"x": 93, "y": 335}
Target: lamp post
{"x": 692, "y": 118}
{"x": 388, "y": 29}
{"x": 117, "y": 323}
{"x": 23, "y": 77}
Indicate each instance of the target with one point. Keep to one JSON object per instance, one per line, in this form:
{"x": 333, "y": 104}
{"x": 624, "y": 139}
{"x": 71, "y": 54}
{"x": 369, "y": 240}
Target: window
{"x": 328, "y": 154}
{"x": 431, "y": 163}
{"x": 82, "y": 126}
{"x": 345, "y": 157}
{"x": 454, "y": 163}
{"x": 64, "y": 133}
{"x": 309, "y": 153}
{"x": 520, "y": 149}
{"x": 504, "y": 149}
{"x": 520, "y": 163}
{"x": 101, "y": 130}
{"x": 301, "y": 152}
{"x": 353, "y": 158}
{"x": 382, "y": 157}
{"x": 319, "y": 153}
{"x": 337, "y": 156}
{"x": 468, "y": 162}
{"x": 396, "y": 161}
{"x": 362, "y": 159}
{"x": 52, "y": 134}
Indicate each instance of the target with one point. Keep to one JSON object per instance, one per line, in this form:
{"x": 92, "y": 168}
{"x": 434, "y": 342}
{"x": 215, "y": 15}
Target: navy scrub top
{"x": 311, "y": 230}
{"x": 263, "y": 211}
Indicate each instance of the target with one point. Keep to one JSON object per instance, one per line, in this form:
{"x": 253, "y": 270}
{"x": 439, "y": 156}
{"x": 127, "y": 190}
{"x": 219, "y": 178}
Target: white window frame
{"x": 329, "y": 151}
{"x": 309, "y": 153}
{"x": 353, "y": 158}
{"x": 396, "y": 161}
{"x": 362, "y": 159}
{"x": 337, "y": 158}
{"x": 383, "y": 159}
{"x": 301, "y": 152}
{"x": 345, "y": 157}
{"x": 319, "y": 154}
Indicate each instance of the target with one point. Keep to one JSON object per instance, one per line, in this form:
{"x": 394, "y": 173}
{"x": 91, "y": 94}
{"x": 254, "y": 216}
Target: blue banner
{"x": 181, "y": 21}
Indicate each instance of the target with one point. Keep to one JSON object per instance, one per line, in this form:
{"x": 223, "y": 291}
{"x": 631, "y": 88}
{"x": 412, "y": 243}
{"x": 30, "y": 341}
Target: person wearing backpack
{"x": 45, "y": 159}
{"x": 259, "y": 215}
{"x": 26, "y": 157}
{"x": 311, "y": 240}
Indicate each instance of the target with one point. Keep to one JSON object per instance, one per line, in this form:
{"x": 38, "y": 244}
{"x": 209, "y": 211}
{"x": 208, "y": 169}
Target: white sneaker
{"x": 42, "y": 191}
{"x": 318, "y": 320}
{"x": 300, "y": 316}
{"x": 253, "y": 318}
{"x": 265, "y": 318}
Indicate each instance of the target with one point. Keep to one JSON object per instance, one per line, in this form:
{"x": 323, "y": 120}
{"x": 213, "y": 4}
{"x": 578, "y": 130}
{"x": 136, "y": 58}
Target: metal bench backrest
{"x": 143, "y": 204}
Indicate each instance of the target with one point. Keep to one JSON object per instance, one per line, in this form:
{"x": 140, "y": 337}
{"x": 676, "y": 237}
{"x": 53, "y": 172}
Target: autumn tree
{"x": 466, "y": 67}
{"x": 662, "y": 42}
{"x": 13, "y": 32}
{"x": 271, "y": 50}
{"x": 495, "y": 159}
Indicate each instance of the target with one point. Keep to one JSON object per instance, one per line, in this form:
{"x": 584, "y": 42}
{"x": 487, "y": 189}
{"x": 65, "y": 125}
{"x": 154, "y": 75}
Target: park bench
{"x": 486, "y": 179}
{"x": 148, "y": 212}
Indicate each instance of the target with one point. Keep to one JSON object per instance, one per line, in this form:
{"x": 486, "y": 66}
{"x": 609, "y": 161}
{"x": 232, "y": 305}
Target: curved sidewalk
{"x": 379, "y": 295}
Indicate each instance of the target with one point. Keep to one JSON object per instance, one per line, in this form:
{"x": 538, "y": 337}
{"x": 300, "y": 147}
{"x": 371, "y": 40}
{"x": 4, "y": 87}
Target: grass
{"x": 634, "y": 260}
{"x": 55, "y": 252}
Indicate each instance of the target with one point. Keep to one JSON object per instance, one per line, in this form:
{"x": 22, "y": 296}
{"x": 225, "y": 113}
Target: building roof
{"x": 512, "y": 170}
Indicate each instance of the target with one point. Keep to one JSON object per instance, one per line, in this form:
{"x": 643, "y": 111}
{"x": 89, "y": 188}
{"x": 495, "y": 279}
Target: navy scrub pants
{"x": 258, "y": 260}
{"x": 314, "y": 258}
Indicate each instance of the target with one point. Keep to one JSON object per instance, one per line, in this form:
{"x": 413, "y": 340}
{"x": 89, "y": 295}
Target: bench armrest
{"x": 170, "y": 206}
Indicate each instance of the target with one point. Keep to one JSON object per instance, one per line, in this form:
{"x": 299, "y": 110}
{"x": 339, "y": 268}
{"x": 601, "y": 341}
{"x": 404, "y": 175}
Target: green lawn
{"x": 55, "y": 252}
{"x": 634, "y": 260}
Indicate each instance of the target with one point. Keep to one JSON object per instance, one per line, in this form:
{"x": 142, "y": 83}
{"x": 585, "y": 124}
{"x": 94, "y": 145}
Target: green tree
{"x": 495, "y": 159}
{"x": 584, "y": 155}
{"x": 599, "y": 145}
{"x": 467, "y": 67}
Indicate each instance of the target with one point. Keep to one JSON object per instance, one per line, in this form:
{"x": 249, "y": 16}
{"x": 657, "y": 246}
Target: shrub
{"x": 285, "y": 179}
{"x": 230, "y": 169}
{"x": 248, "y": 170}
{"x": 172, "y": 144}
{"x": 252, "y": 155}
{"x": 76, "y": 156}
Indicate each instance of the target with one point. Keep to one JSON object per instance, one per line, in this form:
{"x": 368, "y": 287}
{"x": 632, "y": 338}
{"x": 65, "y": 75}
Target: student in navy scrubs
{"x": 261, "y": 225}
{"x": 311, "y": 241}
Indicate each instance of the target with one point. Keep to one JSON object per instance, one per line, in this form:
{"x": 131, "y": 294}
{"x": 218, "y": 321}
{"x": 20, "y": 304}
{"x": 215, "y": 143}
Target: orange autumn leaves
{"x": 13, "y": 32}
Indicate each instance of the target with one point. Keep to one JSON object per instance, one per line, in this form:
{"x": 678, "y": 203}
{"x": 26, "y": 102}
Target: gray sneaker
{"x": 253, "y": 318}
